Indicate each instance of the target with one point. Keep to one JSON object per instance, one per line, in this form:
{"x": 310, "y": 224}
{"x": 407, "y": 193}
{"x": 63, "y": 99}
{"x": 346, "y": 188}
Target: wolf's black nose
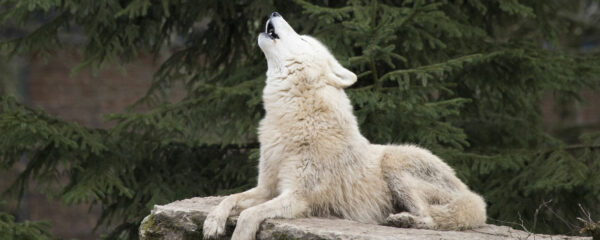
{"x": 275, "y": 14}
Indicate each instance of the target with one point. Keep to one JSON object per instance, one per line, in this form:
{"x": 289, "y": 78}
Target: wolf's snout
{"x": 275, "y": 14}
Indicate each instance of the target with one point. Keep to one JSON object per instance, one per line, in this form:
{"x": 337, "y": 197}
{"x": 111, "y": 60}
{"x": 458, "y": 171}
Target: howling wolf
{"x": 315, "y": 162}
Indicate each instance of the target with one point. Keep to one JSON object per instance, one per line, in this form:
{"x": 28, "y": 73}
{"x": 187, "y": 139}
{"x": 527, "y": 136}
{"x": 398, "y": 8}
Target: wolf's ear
{"x": 340, "y": 77}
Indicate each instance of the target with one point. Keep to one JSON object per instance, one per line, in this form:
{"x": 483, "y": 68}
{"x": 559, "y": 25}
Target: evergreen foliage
{"x": 10, "y": 230}
{"x": 463, "y": 78}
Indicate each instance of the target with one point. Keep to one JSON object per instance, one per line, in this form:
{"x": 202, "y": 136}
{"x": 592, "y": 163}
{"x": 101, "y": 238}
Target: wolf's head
{"x": 288, "y": 52}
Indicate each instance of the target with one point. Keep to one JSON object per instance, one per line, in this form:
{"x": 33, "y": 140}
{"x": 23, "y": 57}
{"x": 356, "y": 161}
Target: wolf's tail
{"x": 466, "y": 211}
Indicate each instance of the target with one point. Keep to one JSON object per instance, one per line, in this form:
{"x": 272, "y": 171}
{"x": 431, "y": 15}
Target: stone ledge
{"x": 183, "y": 220}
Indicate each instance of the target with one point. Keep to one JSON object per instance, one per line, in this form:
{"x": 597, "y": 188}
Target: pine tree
{"x": 11, "y": 230}
{"x": 462, "y": 78}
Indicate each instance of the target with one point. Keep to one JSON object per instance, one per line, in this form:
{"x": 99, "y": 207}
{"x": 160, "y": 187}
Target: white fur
{"x": 315, "y": 162}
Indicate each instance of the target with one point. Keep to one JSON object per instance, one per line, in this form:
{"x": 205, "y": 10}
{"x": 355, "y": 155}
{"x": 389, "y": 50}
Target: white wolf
{"x": 315, "y": 162}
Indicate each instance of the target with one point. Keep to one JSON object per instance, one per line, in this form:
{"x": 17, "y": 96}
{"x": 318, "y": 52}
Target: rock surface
{"x": 183, "y": 220}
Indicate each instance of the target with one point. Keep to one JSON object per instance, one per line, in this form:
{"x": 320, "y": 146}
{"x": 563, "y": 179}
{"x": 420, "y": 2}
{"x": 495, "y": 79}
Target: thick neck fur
{"x": 310, "y": 112}
{"x": 293, "y": 95}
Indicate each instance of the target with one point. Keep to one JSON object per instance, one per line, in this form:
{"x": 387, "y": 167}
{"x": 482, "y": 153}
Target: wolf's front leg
{"x": 214, "y": 225}
{"x": 286, "y": 205}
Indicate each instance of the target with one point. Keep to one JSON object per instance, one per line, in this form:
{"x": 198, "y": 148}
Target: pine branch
{"x": 445, "y": 66}
{"x": 580, "y": 146}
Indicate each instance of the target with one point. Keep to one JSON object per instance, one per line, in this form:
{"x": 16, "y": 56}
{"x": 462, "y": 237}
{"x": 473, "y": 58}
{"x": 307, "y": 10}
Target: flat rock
{"x": 183, "y": 220}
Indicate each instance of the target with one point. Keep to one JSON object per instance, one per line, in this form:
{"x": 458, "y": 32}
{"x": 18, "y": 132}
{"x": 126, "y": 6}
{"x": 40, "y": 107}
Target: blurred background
{"x": 110, "y": 108}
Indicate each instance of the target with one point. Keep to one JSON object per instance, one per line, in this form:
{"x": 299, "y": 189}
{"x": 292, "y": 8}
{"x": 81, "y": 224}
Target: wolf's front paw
{"x": 243, "y": 232}
{"x": 214, "y": 226}
{"x": 246, "y": 227}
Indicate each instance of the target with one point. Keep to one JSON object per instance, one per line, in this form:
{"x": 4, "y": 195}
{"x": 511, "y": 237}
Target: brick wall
{"x": 84, "y": 98}
{"x": 584, "y": 116}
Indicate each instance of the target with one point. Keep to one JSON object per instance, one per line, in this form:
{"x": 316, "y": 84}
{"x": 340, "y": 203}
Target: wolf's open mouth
{"x": 271, "y": 30}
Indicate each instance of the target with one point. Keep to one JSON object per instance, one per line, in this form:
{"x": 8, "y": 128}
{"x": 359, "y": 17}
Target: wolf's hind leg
{"x": 464, "y": 210}
{"x": 408, "y": 220}
{"x": 416, "y": 213}
{"x": 404, "y": 196}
